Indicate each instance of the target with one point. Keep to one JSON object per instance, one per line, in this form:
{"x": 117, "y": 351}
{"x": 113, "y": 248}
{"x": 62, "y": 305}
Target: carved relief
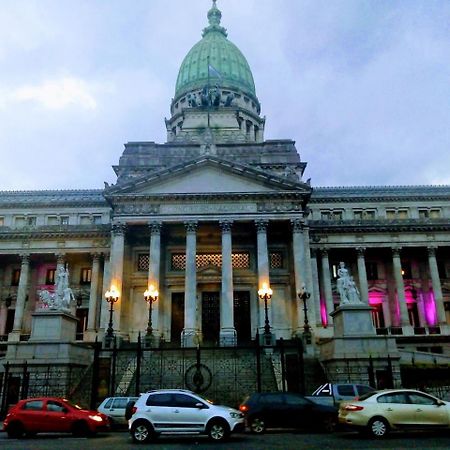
{"x": 137, "y": 208}
{"x": 279, "y": 207}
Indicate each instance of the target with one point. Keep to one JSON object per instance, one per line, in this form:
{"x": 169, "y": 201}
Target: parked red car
{"x": 52, "y": 414}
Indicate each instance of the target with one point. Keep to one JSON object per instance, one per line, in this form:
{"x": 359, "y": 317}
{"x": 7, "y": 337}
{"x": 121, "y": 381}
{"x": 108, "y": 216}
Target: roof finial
{"x": 214, "y": 17}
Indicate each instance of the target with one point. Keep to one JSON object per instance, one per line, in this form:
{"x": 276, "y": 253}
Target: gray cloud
{"x": 361, "y": 86}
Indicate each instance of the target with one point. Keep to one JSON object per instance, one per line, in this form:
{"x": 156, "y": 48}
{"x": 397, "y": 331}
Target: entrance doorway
{"x": 177, "y": 321}
{"x": 210, "y": 317}
{"x": 242, "y": 322}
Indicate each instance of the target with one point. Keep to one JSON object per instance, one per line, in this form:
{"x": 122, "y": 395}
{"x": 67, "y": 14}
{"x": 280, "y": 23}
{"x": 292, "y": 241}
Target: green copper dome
{"x": 223, "y": 56}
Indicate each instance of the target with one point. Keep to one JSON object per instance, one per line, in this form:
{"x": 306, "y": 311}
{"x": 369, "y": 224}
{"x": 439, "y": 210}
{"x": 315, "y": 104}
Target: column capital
{"x": 25, "y": 258}
{"x": 106, "y": 256}
{"x": 432, "y": 250}
{"x": 324, "y": 251}
{"x": 155, "y": 227}
{"x": 360, "y": 251}
{"x": 396, "y": 252}
{"x": 118, "y": 229}
{"x": 226, "y": 225}
{"x": 297, "y": 225}
{"x": 95, "y": 256}
{"x": 191, "y": 227}
{"x": 261, "y": 225}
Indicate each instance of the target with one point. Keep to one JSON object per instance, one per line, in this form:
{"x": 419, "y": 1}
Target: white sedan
{"x": 376, "y": 413}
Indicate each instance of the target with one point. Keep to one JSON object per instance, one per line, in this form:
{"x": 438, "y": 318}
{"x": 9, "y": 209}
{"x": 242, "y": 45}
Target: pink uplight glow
{"x": 430, "y": 308}
{"x": 323, "y": 313}
{"x": 375, "y": 298}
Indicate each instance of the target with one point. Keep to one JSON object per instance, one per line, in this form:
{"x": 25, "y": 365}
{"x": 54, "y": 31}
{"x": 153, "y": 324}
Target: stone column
{"x": 326, "y": 282}
{"x": 316, "y": 288}
{"x": 362, "y": 276}
{"x": 298, "y": 247}
{"x": 309, "y": 280}
{"x": 227, "y": 330}
{"x": 93, "y": 298}
{"x": 116, "y": 270}
{"x": 21, "y": 298}
{"x": 3, "y": 307}
{"x": 190, "y": 331}
{"x": 154, "y": 269}
{"x": 400, "y": 287}
{"x": 105, "y": 286}
{"x": 263, "y": 266}
{"x": 437, "y": 288}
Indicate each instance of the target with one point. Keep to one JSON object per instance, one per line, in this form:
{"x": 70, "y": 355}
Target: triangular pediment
{"x": 207, "y": 175}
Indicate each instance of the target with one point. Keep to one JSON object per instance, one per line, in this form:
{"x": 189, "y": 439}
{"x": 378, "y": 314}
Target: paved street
{"x": 274, "y": 440}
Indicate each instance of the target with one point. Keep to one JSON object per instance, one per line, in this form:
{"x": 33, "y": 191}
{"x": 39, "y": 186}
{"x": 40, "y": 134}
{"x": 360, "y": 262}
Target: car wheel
{"x": 378, "y": 427}
{"x": 141, "y": 432}
{"x": 329, "y": 424}
{"x": 218, "y": 430}
{"x": 15, "y": 430}
{"x": 257, "y": 425}
{"x": 81, "y": 429}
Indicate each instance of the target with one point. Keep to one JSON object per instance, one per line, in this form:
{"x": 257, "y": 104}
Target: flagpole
{"x": 207, "y": 90}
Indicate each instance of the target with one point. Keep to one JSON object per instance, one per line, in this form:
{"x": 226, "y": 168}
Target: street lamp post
{"x": 265, "y": 293}
{"x": 111, "y": 297}
{"x": 150, "y": 296}
{"x": 303, "y": 295}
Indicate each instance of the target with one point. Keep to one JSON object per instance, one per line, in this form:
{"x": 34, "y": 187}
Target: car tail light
{"x": 133, "y": 410}
{"x": 353, "y": 407}
{"x": 243, "y": 408}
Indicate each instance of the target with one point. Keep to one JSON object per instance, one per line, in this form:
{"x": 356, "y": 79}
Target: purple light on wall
{"x": 323, "y": 312}
{"x": 375, "y": 298}
{"x": 430, "y": 308}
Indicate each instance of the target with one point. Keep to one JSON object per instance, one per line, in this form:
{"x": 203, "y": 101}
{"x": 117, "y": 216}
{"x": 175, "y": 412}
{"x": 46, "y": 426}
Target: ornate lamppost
{"x": 303, "y": 295}
{"x": 111, "y": 297}
{"x": 150, "y": 296}
{"x": 265, "y": 294}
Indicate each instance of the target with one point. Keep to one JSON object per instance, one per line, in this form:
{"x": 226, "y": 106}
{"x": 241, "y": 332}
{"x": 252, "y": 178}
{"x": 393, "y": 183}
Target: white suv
{"x": 177, "y": 411}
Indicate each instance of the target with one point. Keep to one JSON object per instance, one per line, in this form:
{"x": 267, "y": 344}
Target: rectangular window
{"x": 239, "y": 260}
{"x": 337, "y": 215}
{"x": 50, "y": 277}
{"x": 325, "y": 215}
{"x": 85, "y": 275}
{"x": 64, "y": 220}
{"x": 423, "y": 213}
{"x": 390, "y": 214}
{"x": 357, "y": 215}
{"x": 19, "y": 222}
{"x": 52, "y": 220}
{"x": 97, "y": 219}
{"x": 2, "y": 221}
{"x": 276, "y": 260}
{"x": 435, "y": 214}
{"x": 369, "y": 215}
{"x": 15, "y": 277}
{"x": 143, "y": 262}
{"x": 402, "y": 214}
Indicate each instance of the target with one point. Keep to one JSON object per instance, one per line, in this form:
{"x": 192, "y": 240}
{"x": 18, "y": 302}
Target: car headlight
{"x": 236, "y": 415}
{"x": 96, "y": 418}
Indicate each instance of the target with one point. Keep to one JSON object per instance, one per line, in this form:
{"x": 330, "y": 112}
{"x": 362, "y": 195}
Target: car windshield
{"x": 367, "y": 395}
{"x": 73, "y": 405}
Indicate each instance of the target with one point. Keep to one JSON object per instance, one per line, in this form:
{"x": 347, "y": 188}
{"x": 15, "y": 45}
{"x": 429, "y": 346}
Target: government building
{"x": 216, "y": 239}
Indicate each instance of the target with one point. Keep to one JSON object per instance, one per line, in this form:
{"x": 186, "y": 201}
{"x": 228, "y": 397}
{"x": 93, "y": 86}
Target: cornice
{"x": 56, "y": 232}
{"x": 380, "y": 226}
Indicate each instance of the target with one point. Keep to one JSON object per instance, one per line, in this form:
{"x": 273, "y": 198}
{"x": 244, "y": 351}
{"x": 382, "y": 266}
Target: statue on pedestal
{"x": 62, "y": 297}
{"x": 346, "y": 286}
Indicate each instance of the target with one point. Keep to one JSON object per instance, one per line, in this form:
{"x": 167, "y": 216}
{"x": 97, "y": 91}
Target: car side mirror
{"x": 440, "y": 403}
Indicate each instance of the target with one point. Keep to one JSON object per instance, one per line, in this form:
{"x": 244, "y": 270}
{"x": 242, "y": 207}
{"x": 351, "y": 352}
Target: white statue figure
{"x": 59, "y": 300}
{"x": 346, "y": 286}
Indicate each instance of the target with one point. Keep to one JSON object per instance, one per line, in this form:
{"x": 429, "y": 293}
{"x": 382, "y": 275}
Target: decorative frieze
{"x": 137, "y": 208}
{"x": 279, "y": 207}
{"x": 209, "y": 208}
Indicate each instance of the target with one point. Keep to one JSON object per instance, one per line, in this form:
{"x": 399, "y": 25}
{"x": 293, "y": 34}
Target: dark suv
{"x": 286, "y": 410}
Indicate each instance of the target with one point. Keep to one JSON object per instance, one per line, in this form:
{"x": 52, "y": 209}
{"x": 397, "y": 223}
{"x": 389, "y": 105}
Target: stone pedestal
{"x": 355, "y": 347}
{"x": 48, "y": 326}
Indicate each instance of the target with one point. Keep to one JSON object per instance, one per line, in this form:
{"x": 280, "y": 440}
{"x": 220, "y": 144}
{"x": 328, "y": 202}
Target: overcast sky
{"x": 362, "y": 86}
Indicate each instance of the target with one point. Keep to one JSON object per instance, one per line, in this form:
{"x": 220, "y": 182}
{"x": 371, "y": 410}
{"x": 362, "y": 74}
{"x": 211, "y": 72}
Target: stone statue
{"x": 346, "y": 286}
{"x": 229, "y": 99}
{"x": 61, "y": 299}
